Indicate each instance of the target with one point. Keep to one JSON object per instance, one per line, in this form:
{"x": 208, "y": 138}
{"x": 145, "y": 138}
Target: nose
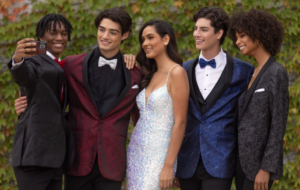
{"x": 105, "y": 35}
{"x": 145, "y": 43}
{"x": 237, "y": 41}
{"x": 197, "y": 33}
{"x": 59, "y": 37}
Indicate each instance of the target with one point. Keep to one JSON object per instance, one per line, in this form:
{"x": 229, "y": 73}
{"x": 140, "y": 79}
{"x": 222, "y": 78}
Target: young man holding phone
{"x": 101, "y": 95}
{"x": 43, "y": 140}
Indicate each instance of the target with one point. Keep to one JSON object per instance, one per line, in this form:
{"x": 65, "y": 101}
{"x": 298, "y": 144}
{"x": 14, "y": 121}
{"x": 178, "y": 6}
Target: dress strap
{"x": 169, "y": 72}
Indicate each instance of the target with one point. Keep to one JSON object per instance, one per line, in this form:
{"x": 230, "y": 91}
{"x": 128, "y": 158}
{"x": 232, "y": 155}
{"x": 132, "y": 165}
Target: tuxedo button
{"x": 204, "y": 88}
{"x": 206, "y": 74}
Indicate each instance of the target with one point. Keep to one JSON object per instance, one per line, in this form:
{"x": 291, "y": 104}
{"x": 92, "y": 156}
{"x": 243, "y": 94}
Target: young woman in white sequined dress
{"x": 163, "y": 103}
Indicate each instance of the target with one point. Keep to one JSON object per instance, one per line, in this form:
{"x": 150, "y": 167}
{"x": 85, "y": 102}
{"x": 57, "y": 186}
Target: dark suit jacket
{"x": 209, "y": 133}
{"x": 94, "y": 134}
{"x": 40, "y": 135}
{"x": 261, "y": 122}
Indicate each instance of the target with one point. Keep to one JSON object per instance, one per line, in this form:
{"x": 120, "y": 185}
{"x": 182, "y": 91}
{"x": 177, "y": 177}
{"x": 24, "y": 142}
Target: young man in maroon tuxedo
{"x": 101, "y": 94}
{"x": 101, "y": 100}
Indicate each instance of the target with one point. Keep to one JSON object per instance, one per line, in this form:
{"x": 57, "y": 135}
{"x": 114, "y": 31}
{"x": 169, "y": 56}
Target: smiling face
{"x": 152, "y": 44}
{"x": 56, "y": 40}
{"x": 109, "y": 37}
{"x": 205, "y": 36}
{"x": 246, "y": 44}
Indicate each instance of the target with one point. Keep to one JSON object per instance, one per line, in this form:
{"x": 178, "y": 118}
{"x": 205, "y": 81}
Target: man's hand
{"x": 262, "y": 180}
{"x": 130, "y": 61}
{"x": 23, "y": 49}
{"x": 176, "y": 183}
{"x": 20, "y": 104}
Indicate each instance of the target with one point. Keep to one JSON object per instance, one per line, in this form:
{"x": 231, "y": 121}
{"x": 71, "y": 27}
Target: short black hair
{"x": 50, "y": 20}
{"x": 218, "y": 19}
{"x": 117, "y": 15}
{"x": 258, "y": 25}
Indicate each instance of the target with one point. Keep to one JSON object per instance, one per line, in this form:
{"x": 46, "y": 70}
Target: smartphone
{"x": 40, "y": 47}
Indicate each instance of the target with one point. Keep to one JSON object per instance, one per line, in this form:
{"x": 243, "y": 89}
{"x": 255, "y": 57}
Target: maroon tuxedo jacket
{"x": 105, "y": 135}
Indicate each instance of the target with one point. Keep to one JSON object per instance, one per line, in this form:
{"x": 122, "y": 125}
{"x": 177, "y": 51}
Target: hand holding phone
{"x": 28, "y": 48}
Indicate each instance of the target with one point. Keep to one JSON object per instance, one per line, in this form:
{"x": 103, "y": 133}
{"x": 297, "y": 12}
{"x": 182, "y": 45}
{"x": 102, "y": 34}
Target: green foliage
{"x": 179, "y": 14}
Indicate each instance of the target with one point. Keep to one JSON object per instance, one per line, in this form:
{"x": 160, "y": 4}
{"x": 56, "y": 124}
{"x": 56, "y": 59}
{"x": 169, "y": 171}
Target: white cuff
{"x": 16, "y": 64}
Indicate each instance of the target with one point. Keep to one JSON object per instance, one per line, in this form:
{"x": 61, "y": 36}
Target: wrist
{"x": 17, "y": 59}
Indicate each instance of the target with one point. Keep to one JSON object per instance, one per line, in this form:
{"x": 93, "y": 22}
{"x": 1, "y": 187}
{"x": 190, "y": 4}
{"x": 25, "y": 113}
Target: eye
{"x": 113, "y": 33}
{"x": 150, "y": 37}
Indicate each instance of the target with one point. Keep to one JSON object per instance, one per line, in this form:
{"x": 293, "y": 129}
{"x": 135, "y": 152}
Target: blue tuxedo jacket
{"x": 209, "y": 131}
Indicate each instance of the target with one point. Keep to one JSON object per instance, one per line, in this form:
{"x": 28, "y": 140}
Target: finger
{"x": 25, "y": 40}
{"x": 161, "y": 184}
{"x": 266, "y": 186}
{"x": 19, "y": 94}
{"x": 132, "y": 61}
{"x": 255, "y": 186}
{"x": 19, "y": 112}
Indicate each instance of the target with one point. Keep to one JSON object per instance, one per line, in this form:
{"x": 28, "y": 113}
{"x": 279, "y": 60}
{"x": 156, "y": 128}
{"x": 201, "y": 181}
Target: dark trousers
{"x": 93, "y": 181}
{"x": 38, "y": 178}
{"x": 202, "y": 180}
{"x": 241, "y": 181}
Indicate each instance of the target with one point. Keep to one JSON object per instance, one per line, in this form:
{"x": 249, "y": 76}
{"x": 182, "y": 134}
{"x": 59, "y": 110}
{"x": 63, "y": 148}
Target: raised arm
{"x": 24, "y": 71}
{"x": 179, "y": 90}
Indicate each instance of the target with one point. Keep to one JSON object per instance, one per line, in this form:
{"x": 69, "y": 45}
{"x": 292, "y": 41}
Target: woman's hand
{"x": 23, "y": 49}
{"x": 262, "y": 180}
{"x": 130, "y": 61}
{"x": 166, "y": 177}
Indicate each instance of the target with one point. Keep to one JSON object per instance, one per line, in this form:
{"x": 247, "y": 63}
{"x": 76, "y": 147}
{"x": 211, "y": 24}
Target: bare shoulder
{"x": 177, "y": 72}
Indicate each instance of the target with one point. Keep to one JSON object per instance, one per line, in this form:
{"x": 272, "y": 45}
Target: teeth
{"x": 242, "y": 47}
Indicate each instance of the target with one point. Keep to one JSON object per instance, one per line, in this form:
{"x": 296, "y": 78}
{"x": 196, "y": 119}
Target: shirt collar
{"x": 52, "y": 56}
{"x": 219, "y": 58}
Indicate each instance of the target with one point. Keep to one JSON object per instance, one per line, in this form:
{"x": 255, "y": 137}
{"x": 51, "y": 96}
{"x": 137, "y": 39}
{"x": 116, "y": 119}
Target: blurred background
{"x": 18, "y": 19}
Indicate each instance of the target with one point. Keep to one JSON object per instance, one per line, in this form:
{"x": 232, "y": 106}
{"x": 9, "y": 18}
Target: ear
{"x": 166, "y": 39}
{"x": 220, "y": 33}
{"x": 125, "y": 35}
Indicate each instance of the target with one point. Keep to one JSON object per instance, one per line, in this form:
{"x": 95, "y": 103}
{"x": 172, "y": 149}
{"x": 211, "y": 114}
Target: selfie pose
{"x": 263, "y": 106}
{"x": 163, "y": 102}
{"x": 43, "y": 140}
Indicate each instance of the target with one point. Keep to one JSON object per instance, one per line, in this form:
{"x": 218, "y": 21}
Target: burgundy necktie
{"x": 62, "y": 64}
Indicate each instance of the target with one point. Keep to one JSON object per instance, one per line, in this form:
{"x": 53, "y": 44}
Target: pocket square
{"x": 135, "y": 86}
{"x": 260, "y": 90}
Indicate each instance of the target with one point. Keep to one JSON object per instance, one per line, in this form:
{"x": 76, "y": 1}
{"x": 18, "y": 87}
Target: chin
{"x": 150, "y": 56}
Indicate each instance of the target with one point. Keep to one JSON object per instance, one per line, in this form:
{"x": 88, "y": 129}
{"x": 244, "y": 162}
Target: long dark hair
{"x": 149, "y": 65}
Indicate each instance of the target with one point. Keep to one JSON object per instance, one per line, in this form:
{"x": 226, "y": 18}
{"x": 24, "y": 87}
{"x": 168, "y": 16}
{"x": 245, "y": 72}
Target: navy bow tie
{"x": 203, "y": 63}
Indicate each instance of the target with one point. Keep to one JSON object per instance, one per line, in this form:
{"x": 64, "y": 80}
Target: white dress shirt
{"x": 47, "y": 52}
{"x": 208, "y": 77}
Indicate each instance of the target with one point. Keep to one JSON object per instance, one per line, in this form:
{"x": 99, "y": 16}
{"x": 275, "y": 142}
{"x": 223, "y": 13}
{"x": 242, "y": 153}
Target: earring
{"x": 165, "y": 43}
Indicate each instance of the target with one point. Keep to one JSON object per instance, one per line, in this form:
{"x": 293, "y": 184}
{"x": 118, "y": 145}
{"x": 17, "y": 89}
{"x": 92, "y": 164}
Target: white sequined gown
{"x": 150, "y": 140}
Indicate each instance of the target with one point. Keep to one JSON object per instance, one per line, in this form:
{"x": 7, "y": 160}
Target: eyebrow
{"x": 202, "y": 27}
{"x": 148, "y": 35}
{"x": 115, "y": 30}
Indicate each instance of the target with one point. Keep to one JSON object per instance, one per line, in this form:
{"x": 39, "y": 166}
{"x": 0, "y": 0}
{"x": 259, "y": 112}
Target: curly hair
{"x": 218, "y": 19}
{"x": 149, "y": 65}
{"x": 258, "y": 25}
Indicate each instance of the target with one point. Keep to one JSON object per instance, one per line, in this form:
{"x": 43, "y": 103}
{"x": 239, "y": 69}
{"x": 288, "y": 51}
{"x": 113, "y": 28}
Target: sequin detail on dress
{"x": 150, "y": 139}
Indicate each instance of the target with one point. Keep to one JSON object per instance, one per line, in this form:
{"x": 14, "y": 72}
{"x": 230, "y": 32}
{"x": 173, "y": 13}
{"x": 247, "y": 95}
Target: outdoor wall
{"x": 179, "y": 14}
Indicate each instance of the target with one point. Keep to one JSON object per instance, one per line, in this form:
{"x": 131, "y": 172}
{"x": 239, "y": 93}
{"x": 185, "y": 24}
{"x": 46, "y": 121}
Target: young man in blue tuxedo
{"x": 206, "y": 159}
